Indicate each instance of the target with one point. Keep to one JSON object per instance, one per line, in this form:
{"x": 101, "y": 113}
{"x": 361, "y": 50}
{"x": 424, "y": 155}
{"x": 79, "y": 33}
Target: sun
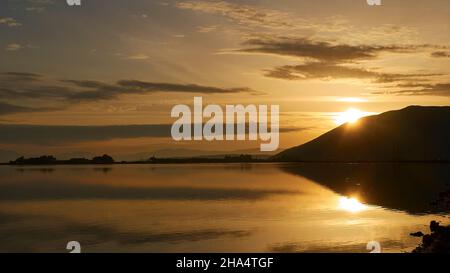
{"x": 352, "y": 115}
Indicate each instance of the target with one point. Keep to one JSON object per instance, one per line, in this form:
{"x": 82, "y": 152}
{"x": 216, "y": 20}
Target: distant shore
{"x": 205, "y": 160}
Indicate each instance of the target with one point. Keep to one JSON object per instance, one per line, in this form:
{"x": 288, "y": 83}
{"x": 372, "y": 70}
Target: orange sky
{"x": 124, "y": 63}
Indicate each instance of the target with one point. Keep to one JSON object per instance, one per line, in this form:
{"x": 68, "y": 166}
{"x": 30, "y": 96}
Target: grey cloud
{"x": 293, "y": 129}
{"x": 326, "y": 61}
{"x": 438, "y": 89}
{"x": 318, "y": 70}
{"x": 6, "y": 108}
{"x": 20, "y": 85}
{"x": 324, "y": 71}
{"x": 152, "y": 86}
{"x": 54, "y": 135}
{"x": 398, "y": 77}
{"x": 38, "y": 92}
{"x": 319, "y": 50}
{"x": 441, "y": 54}
{"x": 41, "y": 134}
{"x": 102, "y": 91}
{"x": 17, "y": 85}
{"x": 20, "y": 76}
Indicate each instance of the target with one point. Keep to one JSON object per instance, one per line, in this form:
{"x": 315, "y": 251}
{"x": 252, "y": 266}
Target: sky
{"x": 104, "y": 76}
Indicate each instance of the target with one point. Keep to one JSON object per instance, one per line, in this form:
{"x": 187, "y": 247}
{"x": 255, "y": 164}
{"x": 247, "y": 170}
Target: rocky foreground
{"x": 436, "y": 242}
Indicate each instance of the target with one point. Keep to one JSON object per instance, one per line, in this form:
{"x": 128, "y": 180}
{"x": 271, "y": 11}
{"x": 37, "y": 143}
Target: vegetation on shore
{"x": 51, "y": 160}
{"x": 106, "y": 159}
{"x": 243, "y": 158}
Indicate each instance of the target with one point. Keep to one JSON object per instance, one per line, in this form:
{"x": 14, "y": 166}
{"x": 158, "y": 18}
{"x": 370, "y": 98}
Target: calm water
{"x": 217, "y": 208}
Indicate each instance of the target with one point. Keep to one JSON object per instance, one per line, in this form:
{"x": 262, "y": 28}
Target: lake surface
{"x": 218, "y": 207}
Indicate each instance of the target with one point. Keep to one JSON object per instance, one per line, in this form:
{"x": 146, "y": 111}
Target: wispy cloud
{"x": 95, "y": 90}
{"x": 323, "y": 60}
{"x": 10, "y": 22}
{"x": 327, "y": 48}
{"x": 320, "y": 50}
{"x": 441, "y": 54}
{"x": 16, "y": 86}
{"x": 241, "y": 14}
{"x": 13, "y": 47}
{"x": 331, "y": 71}
{"x": 20, "y": 76}
{"x": 250, "y": 20}
{"x": 421, "y": 89}
{"x": 138, "y": 57}
{"x": 206, "y": 29}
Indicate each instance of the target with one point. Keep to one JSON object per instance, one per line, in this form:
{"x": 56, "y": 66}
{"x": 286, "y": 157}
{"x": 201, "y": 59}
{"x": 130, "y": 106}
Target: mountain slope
{"x": 415, "y": 133}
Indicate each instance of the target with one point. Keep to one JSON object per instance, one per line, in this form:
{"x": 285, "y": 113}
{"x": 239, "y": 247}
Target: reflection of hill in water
{"x": 408, "y": 187}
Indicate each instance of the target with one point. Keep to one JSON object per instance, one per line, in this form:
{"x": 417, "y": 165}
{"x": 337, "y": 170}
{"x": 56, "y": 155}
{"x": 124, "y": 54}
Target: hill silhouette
{"x": 415, "y": 133}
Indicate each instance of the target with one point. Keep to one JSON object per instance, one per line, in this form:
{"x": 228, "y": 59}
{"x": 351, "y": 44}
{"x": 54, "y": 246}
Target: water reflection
{"x": 43, "y": 190}
{"x": 408, "y": 187}
{"x": 204, "y": 208}
{"x": 351, "y": 204}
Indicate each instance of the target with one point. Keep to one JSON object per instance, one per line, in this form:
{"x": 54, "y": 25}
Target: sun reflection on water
{"x": 351, "y": 204}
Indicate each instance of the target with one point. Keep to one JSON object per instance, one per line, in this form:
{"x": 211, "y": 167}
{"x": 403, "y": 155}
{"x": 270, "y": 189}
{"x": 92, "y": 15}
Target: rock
{"x": 435, "y": 226}
{"x": 436, "y": 242}
{"x": 427, "y": 240}
{"x": 417, "y": 234}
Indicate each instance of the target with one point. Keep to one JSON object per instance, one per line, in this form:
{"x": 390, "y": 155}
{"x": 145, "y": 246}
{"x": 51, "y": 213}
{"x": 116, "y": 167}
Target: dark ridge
{"x": 413, "y": 134}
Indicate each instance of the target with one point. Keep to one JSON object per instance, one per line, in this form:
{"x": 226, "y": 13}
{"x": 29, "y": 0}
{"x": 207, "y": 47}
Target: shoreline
{"x": 437, "y": 241}
{"x": 221, "y": 161}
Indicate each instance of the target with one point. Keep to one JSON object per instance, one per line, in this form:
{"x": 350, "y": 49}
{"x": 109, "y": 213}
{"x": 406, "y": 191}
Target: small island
{"x": 109, "y": 160}
{"x": 51, "y": 160}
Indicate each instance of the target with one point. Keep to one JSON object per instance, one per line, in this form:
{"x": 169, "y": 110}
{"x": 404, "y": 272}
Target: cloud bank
{"x": 19, "y": 86}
